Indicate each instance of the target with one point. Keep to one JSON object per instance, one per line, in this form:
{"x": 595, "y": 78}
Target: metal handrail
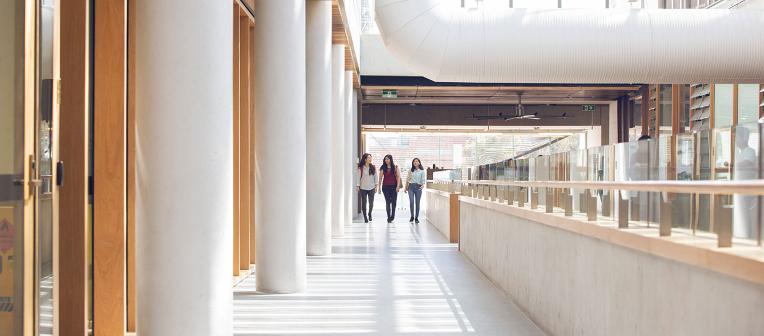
{"x": 739, "y": 187}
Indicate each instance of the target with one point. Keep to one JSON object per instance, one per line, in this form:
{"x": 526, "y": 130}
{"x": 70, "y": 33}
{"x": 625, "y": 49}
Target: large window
{"x": 451, "y": 150}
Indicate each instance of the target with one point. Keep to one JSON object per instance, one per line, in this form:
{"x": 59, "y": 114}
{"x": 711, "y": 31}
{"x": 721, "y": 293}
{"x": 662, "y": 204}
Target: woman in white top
{"x": 414, "y": 185}
{"x": 366, "y": 184}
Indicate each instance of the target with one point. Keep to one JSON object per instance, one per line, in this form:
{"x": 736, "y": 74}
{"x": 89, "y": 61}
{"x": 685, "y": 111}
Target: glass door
{"x": 13, "y": 156}
{"x": 46, "y": 108}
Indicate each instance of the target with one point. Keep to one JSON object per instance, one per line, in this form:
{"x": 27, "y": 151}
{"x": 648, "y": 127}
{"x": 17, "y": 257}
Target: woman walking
{"x": 414, "y": 184}
{"x": 366, "y": 184}
{"x": 390, "y": 179}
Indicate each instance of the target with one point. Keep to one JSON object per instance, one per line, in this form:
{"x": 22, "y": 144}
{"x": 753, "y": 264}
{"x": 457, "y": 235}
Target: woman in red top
{"x": 390, "y": 179}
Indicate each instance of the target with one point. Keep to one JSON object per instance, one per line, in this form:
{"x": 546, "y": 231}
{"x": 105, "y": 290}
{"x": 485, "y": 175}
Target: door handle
{"x": 32, "y": 183}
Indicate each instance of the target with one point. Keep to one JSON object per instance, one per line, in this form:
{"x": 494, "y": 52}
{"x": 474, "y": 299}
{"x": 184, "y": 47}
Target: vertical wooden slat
{"x": 711, "y": 135}
{"x": 454, "y": 218}
{"x": 131, "y": 166}
{"x": 252, "y": 242}
{"x": 26, "y": 255}
{"x": 645, "y": 108}
{"x": 236, "y": 210}
{"x": 244, "y": 219}
{"x": 733, "y": 131}
{"x": 677, "y": 104}
{"x": 109, "y": 168}
{"x": 73, "y": 200}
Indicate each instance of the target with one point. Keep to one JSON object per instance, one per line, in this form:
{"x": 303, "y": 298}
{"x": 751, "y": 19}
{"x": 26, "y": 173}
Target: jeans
{"x": 391, "y": 198}
{"x": 415, "y": 195}
{"x": 367, "y": 194}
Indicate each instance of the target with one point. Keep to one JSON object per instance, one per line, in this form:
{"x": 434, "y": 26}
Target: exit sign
{"x": 588, "y": 108}
{"x": 389, "y": 93}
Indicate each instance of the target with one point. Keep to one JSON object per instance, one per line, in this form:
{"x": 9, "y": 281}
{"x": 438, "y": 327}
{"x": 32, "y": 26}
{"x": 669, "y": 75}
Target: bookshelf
{"x": 700, "y": 107}
{"x": 652, "y": 110}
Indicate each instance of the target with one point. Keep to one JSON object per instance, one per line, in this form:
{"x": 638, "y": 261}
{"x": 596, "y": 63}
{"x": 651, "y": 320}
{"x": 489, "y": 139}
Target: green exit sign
{"x": 389, "y": 93}
{"x": 588, "y": 108}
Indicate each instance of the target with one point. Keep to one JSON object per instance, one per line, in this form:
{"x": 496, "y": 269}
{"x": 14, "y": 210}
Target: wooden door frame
{"x": 73, "y": 194}
{"x": 110, "y": 168}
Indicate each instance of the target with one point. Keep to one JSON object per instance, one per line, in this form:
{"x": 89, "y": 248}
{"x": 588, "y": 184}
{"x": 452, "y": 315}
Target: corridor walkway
{"x": 384, "y": 279}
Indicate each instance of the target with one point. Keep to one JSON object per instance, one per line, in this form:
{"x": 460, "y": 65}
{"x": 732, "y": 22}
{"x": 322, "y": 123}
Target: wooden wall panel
{"x": 73, "y": 198}
{"x": 645, "y": 108}
{"x": 453, "y": 206}
{"x": 244, "y": 201}
{"x": 131, "y": 167}
{"x": 252, "y": 158}
{"x": 236, "y": 210}
{"x": 109, "y": 168}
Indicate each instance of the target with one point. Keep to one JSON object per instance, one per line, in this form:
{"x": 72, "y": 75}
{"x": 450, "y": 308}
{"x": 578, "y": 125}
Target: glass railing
{"x": 703, "y": 184}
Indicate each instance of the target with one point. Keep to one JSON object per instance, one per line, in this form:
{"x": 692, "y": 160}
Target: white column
{"x": 280, "y": 139}
{"x": 184, "y": 162}
{"x": 356, "y": 156}
{"x": 612, "y": 130}
{"x": 338, "y": 139}
{"x": 348, "y": 153}
{"x": 319, "y": 126}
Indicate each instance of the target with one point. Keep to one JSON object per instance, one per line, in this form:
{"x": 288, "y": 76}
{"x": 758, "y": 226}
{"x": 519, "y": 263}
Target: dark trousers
{"x": 415, "y": 195}
{"x": 391, "y": 198}
{"x": 367, "y": 194}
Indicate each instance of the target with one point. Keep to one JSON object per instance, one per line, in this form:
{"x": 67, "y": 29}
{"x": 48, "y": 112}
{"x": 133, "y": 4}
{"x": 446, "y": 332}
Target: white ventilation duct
{"x": 496, "y": 44}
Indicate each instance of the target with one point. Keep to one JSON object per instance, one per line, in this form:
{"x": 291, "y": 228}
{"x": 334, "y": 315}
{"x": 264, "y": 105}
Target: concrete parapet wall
{"x": 573, "y": 284}
{"x": 437, "y": 210}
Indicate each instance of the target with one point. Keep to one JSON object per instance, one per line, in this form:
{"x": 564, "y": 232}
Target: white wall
{"x": 377, "y": 61}
{"x": 571, "y": 284}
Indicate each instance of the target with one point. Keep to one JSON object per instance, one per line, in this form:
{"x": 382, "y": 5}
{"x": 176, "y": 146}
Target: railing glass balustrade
{"x": 729, "y": 210}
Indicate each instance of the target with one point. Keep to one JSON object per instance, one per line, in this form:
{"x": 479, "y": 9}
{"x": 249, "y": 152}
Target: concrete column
{"x": 612, "y": 131}
{"x": 280, "y": 139}
{"x": 338, "y": 139}
{"x": 356, "y": 156}
{"x": 184, "y": 162}
{"x": 348, "y": 152}
{"x": 319, "y": 126}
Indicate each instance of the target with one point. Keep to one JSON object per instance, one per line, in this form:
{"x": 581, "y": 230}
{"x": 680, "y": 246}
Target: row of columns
{"x": 304, "y": 129}
{"x": 305, "y": 152}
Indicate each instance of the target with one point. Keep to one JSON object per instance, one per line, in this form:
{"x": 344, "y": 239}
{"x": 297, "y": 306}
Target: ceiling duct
{"x": 492, "y": 43}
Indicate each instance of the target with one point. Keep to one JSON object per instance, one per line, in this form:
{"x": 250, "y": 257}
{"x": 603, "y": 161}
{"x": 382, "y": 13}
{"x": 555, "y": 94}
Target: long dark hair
{"x": 372, "y": 170}
{"x": 384, "y": 166}
{"x": 413, "y": 167}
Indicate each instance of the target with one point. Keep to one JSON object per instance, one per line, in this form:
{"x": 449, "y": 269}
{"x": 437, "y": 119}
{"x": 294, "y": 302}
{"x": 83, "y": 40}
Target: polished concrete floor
{"x": 385, "y": 279}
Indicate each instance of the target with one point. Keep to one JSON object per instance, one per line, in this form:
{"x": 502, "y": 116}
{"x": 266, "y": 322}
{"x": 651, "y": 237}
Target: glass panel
{"x": 746, "y": 208}
{"x": 11, "y": 166}
{"x": 722, "y": 155}
{"x": 666, "y": 108}
{"x": 684, "y": 109}
{"x": 43, "y": 138}
{"x": 747, "y": 103}
{"x": 635, "y": 106}
{"x": 722, "y": 105}
{"x": 681, "y": 204}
